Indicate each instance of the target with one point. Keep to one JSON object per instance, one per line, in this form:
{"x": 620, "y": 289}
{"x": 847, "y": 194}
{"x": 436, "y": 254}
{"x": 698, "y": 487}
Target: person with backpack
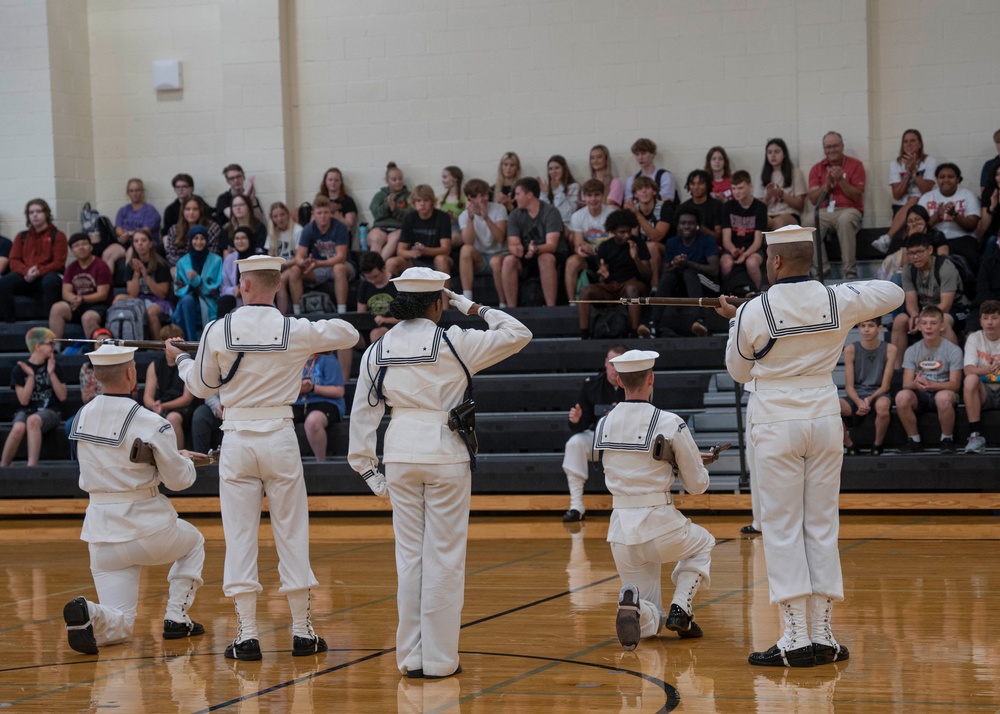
{"x": 929, "y": 280}
{"x": 644, "y": 151}
{"x": 37, "y": 258}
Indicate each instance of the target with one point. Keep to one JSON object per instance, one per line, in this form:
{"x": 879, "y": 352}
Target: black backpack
{"x": 966, "y": 276}
{"x": 304, "y": 214}
{"x": 610, "y": 324}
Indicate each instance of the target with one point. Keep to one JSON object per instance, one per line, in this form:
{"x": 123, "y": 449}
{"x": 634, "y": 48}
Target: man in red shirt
{"x": 86, "y": 290}
{"x": 837, "y": 186}
{"x": 37, "y": 258}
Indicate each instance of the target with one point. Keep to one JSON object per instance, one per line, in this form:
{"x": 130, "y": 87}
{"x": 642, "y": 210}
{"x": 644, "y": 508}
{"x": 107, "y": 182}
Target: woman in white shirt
{"x": 910, "y": 176}
{"x": 282, "y": 240}
{"x": 561, "y": 190}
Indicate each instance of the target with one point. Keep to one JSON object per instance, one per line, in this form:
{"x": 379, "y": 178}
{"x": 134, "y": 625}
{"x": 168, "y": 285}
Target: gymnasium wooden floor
{"x": 538, "y": 636}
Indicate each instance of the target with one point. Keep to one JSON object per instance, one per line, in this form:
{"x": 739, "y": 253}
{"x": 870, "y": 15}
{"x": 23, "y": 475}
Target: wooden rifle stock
{"x": 140, "y": 344}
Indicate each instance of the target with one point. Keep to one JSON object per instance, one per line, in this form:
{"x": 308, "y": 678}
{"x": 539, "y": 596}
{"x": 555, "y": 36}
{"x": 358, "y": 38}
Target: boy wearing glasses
{"x": 238, "y": 186}
{"x": 38, "y": 389}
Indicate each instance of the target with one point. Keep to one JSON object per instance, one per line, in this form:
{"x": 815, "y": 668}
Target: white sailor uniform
{"x": 129, "y": 523}
{"x": 260, "y": 452}
{"x": 645, "y": 529}
{"x": 788, "y": 341}
{"x": 426, "y": 469}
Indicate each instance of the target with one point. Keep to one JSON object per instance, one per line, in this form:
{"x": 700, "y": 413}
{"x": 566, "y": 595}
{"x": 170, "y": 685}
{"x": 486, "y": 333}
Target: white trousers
{"x": 430, "y": 518}
{"x": 253, "y": 465}
{"x": 798, "y": 477}
{"x": 117, "y": 566}
{"x": 691, "y": 546}
{"x": 579, "y": 453}
{"x": 751, "y": 466}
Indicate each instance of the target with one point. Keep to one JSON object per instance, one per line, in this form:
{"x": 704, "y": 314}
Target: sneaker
{"x": 881, "y": 244}
{"x": 176, "y": 630}
{"x": 774, "y": 657}
{"x": 304, "y": 646}
{"x": 911, "y": 447}
{"x": 947, "y": 446}
{"x": 643, "y": 332}
{"x": 573, "y": 516}
{"x": 247, "y": 650}
{"x": 749, "y": 530}
{"x": 458, "y": 670}
{"x": 79, "y": 629}
{"x": 976, "y": 445}
{"x": 828, "y": 654}
{"x": 877, "y": 450}
{"x": 698, "y": 329}
{"x": 682, "y": 623}
{"x": 627, "y": 621}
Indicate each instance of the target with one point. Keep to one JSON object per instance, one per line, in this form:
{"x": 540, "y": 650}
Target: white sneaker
{"x": 881, "y": 244}
{"x": 976, "y": 445}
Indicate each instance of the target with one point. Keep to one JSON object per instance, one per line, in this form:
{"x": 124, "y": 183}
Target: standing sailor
{"x": 253, "y": 357}
{"x": 129, "y": 523}
{"x": 788, "y": 341}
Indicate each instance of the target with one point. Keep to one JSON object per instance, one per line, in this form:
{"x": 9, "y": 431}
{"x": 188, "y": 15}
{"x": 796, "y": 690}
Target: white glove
{"x": 376, "y": 482}
{"x": 459, "y": 302}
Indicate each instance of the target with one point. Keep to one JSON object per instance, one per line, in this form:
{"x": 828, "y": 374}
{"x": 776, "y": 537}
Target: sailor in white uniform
{"x": 423, "y": 372}
{"x": 129, "y": 523}
{"x": 788, "y": 342}
{"x": 641, "y": 446}
{"x": 253, "y": 358}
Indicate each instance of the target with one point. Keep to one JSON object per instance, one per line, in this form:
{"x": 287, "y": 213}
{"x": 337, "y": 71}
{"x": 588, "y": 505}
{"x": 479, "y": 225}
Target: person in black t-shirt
{"x": 743, "y": 224}
{"x": 708, "y": 210}
{"x": 38, "y": 389}
{"x": 425, "y": 240}
{"x": 375, "y": 292}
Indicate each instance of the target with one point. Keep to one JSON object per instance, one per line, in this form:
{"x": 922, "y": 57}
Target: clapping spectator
{"x": 910, "y": 176}
{"x": 147, "y": 278}
{"x": 561, "y": 189}
{"x": 38, "y": 389}
{"x": 782, "y": 187}
{"x": 239, "y": 185}
{"x": 37, "y": 257}
{"x": 837, "y": 187}
{"x": 508, "y": 174}
{"x": 388, "y": 208}
{"x": 86, "y": 290}
{"x": 653, "y": 215}
{"x": 198, "y": 278}
{"x": 955, "y": 211}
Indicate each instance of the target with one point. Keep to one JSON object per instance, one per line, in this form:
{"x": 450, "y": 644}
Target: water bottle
{"x": 363, "y": 237}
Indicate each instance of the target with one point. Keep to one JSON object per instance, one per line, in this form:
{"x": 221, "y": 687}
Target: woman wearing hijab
{"x": 229, "y": 297}
{"x": 197, "y": 281}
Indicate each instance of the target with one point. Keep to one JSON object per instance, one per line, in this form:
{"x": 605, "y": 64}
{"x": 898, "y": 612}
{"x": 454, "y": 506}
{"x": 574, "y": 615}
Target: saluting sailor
{"x": 129, "y": 523}
{"x": 253, "y": 358}
{"x": 423, "y": 372}
{"x": 641, "y": 446}
{"x": 788, "y": 342}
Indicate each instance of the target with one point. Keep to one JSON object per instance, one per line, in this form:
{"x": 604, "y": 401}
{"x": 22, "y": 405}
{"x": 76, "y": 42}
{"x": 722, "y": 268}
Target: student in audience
{"x": 717, "y": 164}
{"x": 184, "y": 188}
{"x": 955, "y": 211}
{"x": 193, "y": 213}
{"x": 375, "y": 293}
{"x": 910, "y": 176}
{"x": 981, "y": 384}
{"x": 483, "y": 225}
{"x": 744, "y": 220}
{"x": 991, "y": 166}
{"x": 708, "y": 210}
{"x": 38, "y": 390}
{"x": 206, "y": 425}
{"x": 343, "y": 206}
{"x": 147, "y": 278}
{"x": 535, "y": 243}
{"x": 561, "y": 190}
{"x": 5, "y": 245}
{"x": 164, "y": 392}
{"x": 989, "y": 223}
{"x": 653, "y": 215}
{"x": 868, "y": 367}
{"x": 37, "y": 257}
{"x": 932, "y": 377}
{"x": 198, "y": 279}
{"x": 135, "y": 214}
{"x": 425, "y": 238}
{"x": 322, "y": 256}
{"x": 321, "y": 400}
{"x": 452, "y": 201}
{"x": 389, "y": 206}
{"x": 86, "y": 290}
{"x": 508, "y": 174}
{"x": 283, "y": 236}
{"x": 241, "y": 216}
{"x": 586, "y": 233}
{"x": 644, "y": 151}
{"x": 782, "y": 187}
{"x": 837, "y": 186}
{"x": 623, "y": 270}
{"x": 229, "y": 291}
{"x": 600, "y": 169}
{"x": 239, "y": 185}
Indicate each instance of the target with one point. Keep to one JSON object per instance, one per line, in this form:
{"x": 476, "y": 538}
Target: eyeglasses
{"x": 181, "y": 185}
{"x": 916, "y": 252}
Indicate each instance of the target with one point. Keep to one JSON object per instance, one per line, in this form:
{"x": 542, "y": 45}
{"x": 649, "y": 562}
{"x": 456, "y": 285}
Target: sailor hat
{"x": 260, "y": 262}
{"x": 107, "y": 355}
{"x": 790, "y": 234}
{"x": 635, "y": 360}
{"x": 420, "y": 280}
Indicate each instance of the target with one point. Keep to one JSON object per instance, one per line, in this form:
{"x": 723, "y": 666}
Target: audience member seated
{"x": 923, "y": 290}
{"x": 989, "y": 223}
{"x": 910, "y": 176}
{"x": 321, "y": 399}
{"x": 837, "y": 186}
{"x": 197, "y": 282}
{"x": 991, "y": 166}
{"x": 321, "y": 257}
{"x": 86, "y": 290}
{"x": 452, "y": 201}
{"x": 653, "y": 215}
{"x": 133, "y": 215}
{"x": 242, "y": 217}
{"x": 781, "y": 187}
{"x": 38, "y": 389}
{"x": 37, "y": 257}
{"x": 868, "y": 368}
{"x": 229, "y": 291}
{"x": 535, "y": 243}
{"x": 561, "y": 189}
{"x": 5, "y": 245}
{"x": 644, "y": 151}
{"x": 586, "y": 233}
{"x": 932, "y": 377}
{"x": 987, "y": 281}
{"x": 709, "y": 210}
{"x": 483, "y": 225}
{"x": 283, "y": 237}
{"x": 744, "y": 220}
{"x": 375, "y": 293}
{"x": 388, "y": 207}
{"x": 954, "y": 210}
{"x": 508, "y": 174}
{"x": 193, "y": 213}
{"x": 425, "y": 237}
{"x": 601, "y": 170}
{"x": 164, "y": 392}
{"x": 343, "y": 206}
{"x": 981, "y": 384}
{"x": 206, "y": 425}
{"x": 717, "y": 165}
{"x": 184, "y": 188}
{"x": 238, "y": 186}
{"x": 147, "y": 278}
{"x": 623, "y": 270}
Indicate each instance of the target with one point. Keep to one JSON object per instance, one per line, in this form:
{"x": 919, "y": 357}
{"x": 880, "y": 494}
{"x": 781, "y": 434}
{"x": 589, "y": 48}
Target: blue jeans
{"x": 187, "y": 316}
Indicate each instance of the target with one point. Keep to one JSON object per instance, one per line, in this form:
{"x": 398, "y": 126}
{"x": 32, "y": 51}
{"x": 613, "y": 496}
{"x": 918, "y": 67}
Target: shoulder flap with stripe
{"x": 631, "y": 429}
{"x": 104, "y": 421}
{"x": 412, "y": 347}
